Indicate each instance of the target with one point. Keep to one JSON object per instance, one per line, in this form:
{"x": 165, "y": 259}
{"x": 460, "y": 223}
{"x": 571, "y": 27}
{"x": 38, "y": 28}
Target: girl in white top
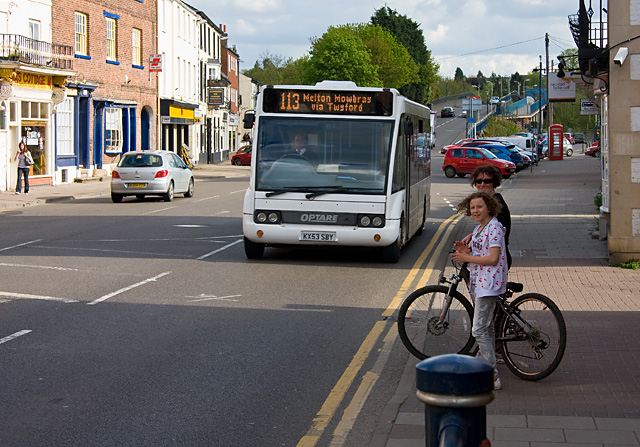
{"x": 24, "y": 161}
{"x": 488, "y": 266}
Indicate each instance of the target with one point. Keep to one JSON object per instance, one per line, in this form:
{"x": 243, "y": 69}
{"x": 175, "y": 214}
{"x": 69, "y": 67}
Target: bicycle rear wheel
{"x": 421, "y": 330}
{"x": 533, "y": 344}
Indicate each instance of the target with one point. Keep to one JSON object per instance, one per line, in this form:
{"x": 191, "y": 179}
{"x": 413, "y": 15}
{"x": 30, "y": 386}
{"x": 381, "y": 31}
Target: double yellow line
{"x": 337, "y": 394}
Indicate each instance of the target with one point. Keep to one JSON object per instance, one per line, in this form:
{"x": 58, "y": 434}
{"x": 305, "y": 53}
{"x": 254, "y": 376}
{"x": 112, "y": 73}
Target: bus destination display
{"x": 327, "y": 102}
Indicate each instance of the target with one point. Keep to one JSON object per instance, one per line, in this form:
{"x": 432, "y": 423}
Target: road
{"x": 143, "y": 323}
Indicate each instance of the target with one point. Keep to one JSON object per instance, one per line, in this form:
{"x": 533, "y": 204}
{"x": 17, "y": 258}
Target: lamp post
{"x": 540, "y": 98}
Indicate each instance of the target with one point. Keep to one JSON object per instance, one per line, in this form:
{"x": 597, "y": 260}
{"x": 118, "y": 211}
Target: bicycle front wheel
{"x": 534, "y": 337}
{"x": 426, "y": 330}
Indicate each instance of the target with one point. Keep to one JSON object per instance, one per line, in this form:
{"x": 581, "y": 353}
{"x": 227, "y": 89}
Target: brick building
{"x": 112, "y": 100}
{"x": 231, "y": 69}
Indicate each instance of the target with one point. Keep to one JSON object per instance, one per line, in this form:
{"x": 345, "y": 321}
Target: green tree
{"x": 409, "y": 34}
{"x": 340, "y": 55}
{"x": 272, "y": 69}
{"x": 459, "y": 76}
{"x": 395, "y": 66}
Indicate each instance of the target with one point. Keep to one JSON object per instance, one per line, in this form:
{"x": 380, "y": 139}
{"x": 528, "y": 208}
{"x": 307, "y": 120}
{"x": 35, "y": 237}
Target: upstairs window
{"x": 136, "y": 46}
{"x": 111, "y": 39}
{"x": 81, "y": 33}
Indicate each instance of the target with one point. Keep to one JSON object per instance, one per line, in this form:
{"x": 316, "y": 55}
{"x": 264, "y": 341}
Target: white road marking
{"x": 219, "y": 250}
{"x": 238, "y": 191}
{"x": 160, "y": 210}
{"x": 14, "y": 336}
{"x": 45, "y": 267}
{"x": 124, "y": 289}
{"x": 222, "y": 212}
{"x": 104, "y": 250}
{"x": 206, "y": 198}
{"x": 20, "y": 245}
{"x": 204, "y": 297}
{"x": 190, "y": 226}
{"x": 36, "y": 297}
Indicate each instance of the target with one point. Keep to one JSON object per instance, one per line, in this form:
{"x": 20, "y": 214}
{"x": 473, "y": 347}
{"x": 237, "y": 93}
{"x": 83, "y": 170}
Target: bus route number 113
{"x": 290, "y": 101}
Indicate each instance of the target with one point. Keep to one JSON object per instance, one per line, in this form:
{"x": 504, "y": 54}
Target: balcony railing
{"x": 14, "y": 47}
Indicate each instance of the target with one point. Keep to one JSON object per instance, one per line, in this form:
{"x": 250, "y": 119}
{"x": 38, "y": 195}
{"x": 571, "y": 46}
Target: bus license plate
{"x": 137, "y": 185}
{"x": 317, "y": 236}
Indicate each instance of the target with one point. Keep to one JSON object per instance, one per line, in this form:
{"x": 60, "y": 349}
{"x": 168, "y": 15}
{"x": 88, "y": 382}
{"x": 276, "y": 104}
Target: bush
{"x": 500, "y": 128}
{"x": 597, "y": 200}
{"x": 633, "y": 264}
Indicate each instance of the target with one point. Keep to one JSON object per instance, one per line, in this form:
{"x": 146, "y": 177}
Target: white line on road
{"x": 133, "y": 286}
{"x": 222, "y": 212}
{"x": 105, "y": 250}
{"x": 206, "y": 198}
{"x": 219, "y": 250}
{"x": 160, "y": 210}
{"x": 29, "y": 296}
{"x": 20, "y": 245}
{"x": 13, "y": 336}
{"x": 238, "y": 191}
{"x": 45, "y": 267}
{"x": 204, "y": 297}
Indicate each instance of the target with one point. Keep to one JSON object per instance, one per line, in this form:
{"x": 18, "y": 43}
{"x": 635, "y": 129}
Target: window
{"x": 111, "y": 39}
{"x": 81, "y": 34}
{"x": 64, "y": 127}
{"x": 34, "y": 29}
{"x": 34, "y": 110}
{"x": 136, "y": 43}
{"x": 113, "y": 129}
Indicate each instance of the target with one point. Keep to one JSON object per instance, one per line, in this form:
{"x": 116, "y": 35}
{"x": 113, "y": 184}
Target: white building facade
{"x": 178, "y": 83}
{"x": 32, "y": 75}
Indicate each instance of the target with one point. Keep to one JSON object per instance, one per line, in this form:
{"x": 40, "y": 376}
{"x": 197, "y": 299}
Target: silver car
{"x": 143, "y": 173}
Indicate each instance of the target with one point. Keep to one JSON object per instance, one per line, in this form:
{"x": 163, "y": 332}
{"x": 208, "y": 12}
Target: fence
{"x": 14, "y": 47}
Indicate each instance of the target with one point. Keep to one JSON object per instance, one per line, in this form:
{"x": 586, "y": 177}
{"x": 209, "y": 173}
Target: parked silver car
{"x": 143, "y": 173}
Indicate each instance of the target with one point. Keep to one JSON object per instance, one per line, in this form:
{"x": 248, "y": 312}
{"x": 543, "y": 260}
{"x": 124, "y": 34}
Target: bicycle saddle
{"x": 515, "y": 287}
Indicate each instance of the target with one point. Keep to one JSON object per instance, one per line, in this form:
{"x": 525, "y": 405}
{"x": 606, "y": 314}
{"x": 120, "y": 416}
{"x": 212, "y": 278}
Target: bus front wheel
{"x": 253, "y": 250}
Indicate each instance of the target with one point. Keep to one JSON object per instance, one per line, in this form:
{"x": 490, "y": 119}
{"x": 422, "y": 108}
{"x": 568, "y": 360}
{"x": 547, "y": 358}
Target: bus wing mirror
{"x": 248, "y": 120}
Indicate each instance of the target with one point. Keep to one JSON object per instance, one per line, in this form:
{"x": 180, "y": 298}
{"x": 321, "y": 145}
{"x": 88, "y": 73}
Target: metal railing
{"x": 14, "y": 47}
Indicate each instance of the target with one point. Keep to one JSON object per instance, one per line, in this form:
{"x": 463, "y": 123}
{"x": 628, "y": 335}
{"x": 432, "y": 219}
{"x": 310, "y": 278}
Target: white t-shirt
{"x": 488, "y": 280}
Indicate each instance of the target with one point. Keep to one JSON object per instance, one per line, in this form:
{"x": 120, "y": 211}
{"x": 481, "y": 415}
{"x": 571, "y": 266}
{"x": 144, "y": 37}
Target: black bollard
{"x": 456, "y": 390}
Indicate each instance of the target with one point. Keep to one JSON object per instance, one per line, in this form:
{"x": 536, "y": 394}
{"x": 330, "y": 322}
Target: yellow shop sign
{"x": 180, "y": 112}
{"x": 31, "y": 80}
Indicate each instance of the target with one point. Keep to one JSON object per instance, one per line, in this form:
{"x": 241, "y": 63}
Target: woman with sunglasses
{"x": 487, "y": 179}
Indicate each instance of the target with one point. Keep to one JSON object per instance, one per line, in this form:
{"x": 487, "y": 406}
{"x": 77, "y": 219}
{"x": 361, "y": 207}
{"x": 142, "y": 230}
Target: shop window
{"x": 3, "y": 116}
{"x": 13, "y": 112}
{"x": 113, "y": 130}
{"x": 64, "y": 127}
{"x": 34, "y": 110}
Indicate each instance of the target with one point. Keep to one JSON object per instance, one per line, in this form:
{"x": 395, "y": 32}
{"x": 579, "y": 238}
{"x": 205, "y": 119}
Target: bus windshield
{"x": 323, "y": 155}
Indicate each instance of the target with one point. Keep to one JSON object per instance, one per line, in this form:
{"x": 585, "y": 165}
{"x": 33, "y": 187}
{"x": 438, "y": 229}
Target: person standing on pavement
{"x": 488, "y": 267}
{"x": 487, "y": 179}
{"x": 24, "y": 161}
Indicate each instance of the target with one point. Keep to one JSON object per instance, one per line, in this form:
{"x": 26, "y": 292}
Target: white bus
{"x": 362, "y": 179}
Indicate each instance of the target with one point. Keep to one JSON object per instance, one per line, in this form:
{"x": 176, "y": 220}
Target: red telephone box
{"x": 556, "y": 138}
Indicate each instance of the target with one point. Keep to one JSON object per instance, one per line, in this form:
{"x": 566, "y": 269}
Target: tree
{"x": 272, "y": 69}
{"x": 459, "y": 76}
{"x": 340, "y": 55}
{"x": 409, "y": 34}
{"x": 395, "y": 66}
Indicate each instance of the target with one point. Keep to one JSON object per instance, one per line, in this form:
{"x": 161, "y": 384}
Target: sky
{"x": 491, "y": 36}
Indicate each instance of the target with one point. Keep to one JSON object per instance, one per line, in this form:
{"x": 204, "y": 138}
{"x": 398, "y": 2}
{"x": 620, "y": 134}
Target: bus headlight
{"x": 368, "y": 220}
{"x": 267, "y": 217}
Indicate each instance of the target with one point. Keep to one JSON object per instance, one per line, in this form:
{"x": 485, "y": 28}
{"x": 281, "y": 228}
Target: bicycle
{"x": 530, "y": 330}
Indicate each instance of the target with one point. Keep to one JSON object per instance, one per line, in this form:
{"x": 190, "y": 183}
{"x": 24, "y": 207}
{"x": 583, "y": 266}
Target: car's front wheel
{"x": 190, "y": 189}
{"x": 168, "y": 196}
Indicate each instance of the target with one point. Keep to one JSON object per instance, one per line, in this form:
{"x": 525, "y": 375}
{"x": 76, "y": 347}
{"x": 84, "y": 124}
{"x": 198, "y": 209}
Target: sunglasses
{"x": 486, "y": 181}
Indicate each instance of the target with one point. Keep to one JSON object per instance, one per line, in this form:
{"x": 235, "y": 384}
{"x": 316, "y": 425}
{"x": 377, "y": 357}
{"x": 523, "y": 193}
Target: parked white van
{"x": 526, "y": 143}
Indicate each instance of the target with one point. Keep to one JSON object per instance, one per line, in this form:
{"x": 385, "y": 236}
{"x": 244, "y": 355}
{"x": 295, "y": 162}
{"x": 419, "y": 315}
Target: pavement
{"x": 100, "y": 186}
{"x": 593, "y": 398}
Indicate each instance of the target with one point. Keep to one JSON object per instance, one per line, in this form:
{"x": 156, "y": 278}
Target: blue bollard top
{"x": 454, "y": 374}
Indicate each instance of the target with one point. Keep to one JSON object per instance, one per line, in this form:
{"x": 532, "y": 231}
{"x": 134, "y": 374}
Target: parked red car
{"x": 457, "y": 143}
{"x": 461, "y": 161}
{"x": 593, "y": 151}
{"x": 242, "y": 156}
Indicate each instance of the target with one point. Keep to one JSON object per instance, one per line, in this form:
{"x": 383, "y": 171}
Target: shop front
{"x": 180, "y": 127}
{"x": 26, "y": 105}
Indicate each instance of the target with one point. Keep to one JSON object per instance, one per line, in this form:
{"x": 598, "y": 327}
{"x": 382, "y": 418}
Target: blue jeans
{"x": 21, "y": 172}
{"x": 484, "y": 331}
